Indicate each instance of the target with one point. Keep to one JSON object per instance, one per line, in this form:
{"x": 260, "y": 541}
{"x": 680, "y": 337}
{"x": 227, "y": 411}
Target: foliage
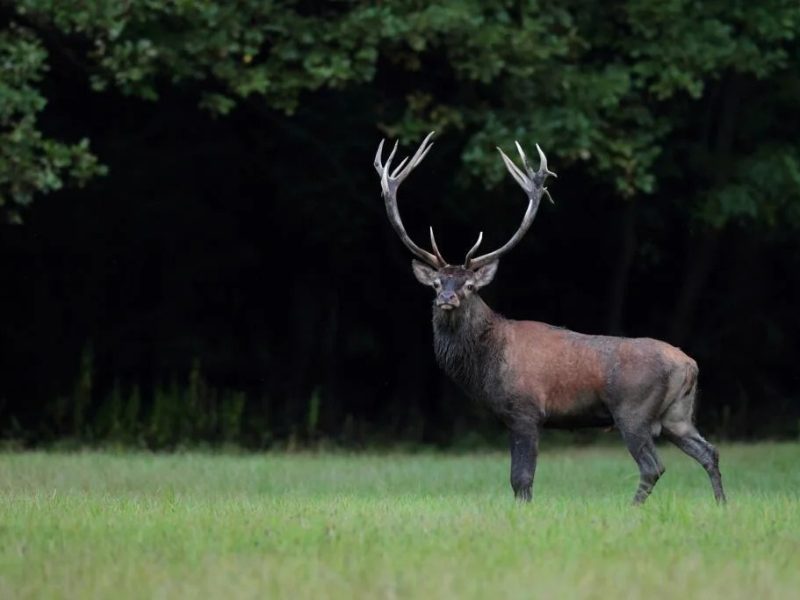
{"x": 764, "y": 187}
{"x": 93, "y": 525}
{"x": 598, "y": 85}
{"x": 180, "y": 415}
{"x": 31, "y": 162}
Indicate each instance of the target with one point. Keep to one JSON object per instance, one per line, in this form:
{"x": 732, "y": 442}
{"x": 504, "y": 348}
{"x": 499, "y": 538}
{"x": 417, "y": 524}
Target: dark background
{"x": 226, "y": 271}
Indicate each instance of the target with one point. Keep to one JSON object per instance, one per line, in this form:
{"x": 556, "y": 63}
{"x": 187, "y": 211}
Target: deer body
{"x": 532, "y": 374}
{"x": 527, "y": 371}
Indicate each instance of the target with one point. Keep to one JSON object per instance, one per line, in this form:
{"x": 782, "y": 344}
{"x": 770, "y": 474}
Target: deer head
{"x": 453, "y": 284}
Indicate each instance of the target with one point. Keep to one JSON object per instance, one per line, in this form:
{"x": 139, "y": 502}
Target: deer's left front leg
{"x": 524, "y": 449}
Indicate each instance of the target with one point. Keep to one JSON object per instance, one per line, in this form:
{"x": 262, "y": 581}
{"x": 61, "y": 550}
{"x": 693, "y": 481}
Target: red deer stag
{"x": 532, "y": 374}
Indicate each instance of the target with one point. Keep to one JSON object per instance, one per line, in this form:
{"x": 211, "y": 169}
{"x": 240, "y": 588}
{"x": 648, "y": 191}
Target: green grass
{"x": 100, "y": 525}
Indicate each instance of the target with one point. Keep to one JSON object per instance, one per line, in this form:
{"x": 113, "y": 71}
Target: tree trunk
{"x": 299, "y": 376}
{"x": 702, "y": 260}
{"x": 619, "y": 282}
{"x": 331, "y": 413}
{"x": 697, "y": 271}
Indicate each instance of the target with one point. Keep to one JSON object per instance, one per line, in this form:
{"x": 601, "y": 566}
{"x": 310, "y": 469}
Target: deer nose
{"x": 447, "y": 300}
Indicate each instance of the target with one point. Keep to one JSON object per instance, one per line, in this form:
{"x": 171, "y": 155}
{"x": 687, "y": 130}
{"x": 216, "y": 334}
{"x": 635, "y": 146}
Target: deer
{"x": 531, "y": 374}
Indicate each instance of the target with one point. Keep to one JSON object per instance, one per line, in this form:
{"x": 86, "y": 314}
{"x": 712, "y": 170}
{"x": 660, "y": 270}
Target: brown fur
{"x": 545, "y": 365}
{"x": 533, "y": 374}
{"x": 564, "y": 373}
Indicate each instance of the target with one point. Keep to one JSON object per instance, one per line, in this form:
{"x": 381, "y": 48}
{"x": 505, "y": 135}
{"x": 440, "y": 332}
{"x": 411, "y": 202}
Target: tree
{"x": 31, "y": 162}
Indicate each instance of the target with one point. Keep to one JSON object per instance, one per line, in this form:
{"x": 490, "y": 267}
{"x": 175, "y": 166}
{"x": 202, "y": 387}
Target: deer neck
{"x": 465, "y": 343}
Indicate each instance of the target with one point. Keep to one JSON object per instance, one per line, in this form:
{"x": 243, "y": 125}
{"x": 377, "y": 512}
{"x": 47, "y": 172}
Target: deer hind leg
{"x": 679, "y": 429}
{"x": 641, "y": 446}
{"x": 693, "y": 444}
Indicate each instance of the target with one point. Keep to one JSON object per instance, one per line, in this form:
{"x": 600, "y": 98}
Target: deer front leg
{"x": 524, "y": 449}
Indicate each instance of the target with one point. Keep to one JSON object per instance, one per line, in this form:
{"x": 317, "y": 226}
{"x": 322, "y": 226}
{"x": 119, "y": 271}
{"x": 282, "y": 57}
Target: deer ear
{"x": 485, "y": 274}
{"x": 424, "y": 274}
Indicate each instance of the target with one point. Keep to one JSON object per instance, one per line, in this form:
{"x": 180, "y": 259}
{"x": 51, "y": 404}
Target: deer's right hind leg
{"x": 679, "y": 429}
{"x": 693, "y": 444}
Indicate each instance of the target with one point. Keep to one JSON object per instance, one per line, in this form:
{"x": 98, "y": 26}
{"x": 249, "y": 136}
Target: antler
{"x": 390, "y": 181}
{"x": 533, "y": 183}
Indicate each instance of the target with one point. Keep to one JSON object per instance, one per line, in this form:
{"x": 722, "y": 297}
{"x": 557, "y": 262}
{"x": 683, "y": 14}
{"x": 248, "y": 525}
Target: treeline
{"x": 194, "y": 248}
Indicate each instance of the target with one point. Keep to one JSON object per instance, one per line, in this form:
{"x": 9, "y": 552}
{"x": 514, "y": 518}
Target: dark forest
{"x": 194, "y": 248}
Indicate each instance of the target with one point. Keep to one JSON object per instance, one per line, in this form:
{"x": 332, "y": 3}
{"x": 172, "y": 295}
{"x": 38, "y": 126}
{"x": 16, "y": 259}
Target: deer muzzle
{"x": 447, "y": 300}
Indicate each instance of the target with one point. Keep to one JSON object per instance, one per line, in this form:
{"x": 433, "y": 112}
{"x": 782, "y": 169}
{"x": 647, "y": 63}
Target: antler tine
{"x": 390, "y": 181}
{"x": 522, "y": 156}
{"x": 388, "y": 164}
{"x": 420, "y": 154}
{"x": 436, "y": 248}
{"x": 543, "y": 162}
{"x": 400, "y": 166}
{"x": 473, "y": 250}
{"x": 378, "y": 157}
{"x": 518, "y": 175}
{"x": 532, "y": 182}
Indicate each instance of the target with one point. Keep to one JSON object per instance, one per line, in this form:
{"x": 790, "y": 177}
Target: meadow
{"x": 386, "y": 525}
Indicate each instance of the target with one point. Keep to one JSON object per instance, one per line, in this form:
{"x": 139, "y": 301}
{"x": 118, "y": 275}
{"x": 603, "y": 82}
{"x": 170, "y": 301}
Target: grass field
{"x": 97, "y": 525}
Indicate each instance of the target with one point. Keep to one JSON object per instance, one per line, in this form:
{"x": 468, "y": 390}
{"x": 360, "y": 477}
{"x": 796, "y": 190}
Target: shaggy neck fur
{"x": 466, "y": 346}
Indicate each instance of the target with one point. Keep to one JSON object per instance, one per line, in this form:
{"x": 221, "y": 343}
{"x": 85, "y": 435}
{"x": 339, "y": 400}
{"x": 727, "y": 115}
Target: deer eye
{"x": 437, "y": 284}
{"x": 470, "y": 286}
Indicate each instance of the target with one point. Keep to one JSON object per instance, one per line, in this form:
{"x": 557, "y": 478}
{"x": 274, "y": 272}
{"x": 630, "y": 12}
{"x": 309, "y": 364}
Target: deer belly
{"x": 598, "y": 416}
{"x": 579, "y": 409}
